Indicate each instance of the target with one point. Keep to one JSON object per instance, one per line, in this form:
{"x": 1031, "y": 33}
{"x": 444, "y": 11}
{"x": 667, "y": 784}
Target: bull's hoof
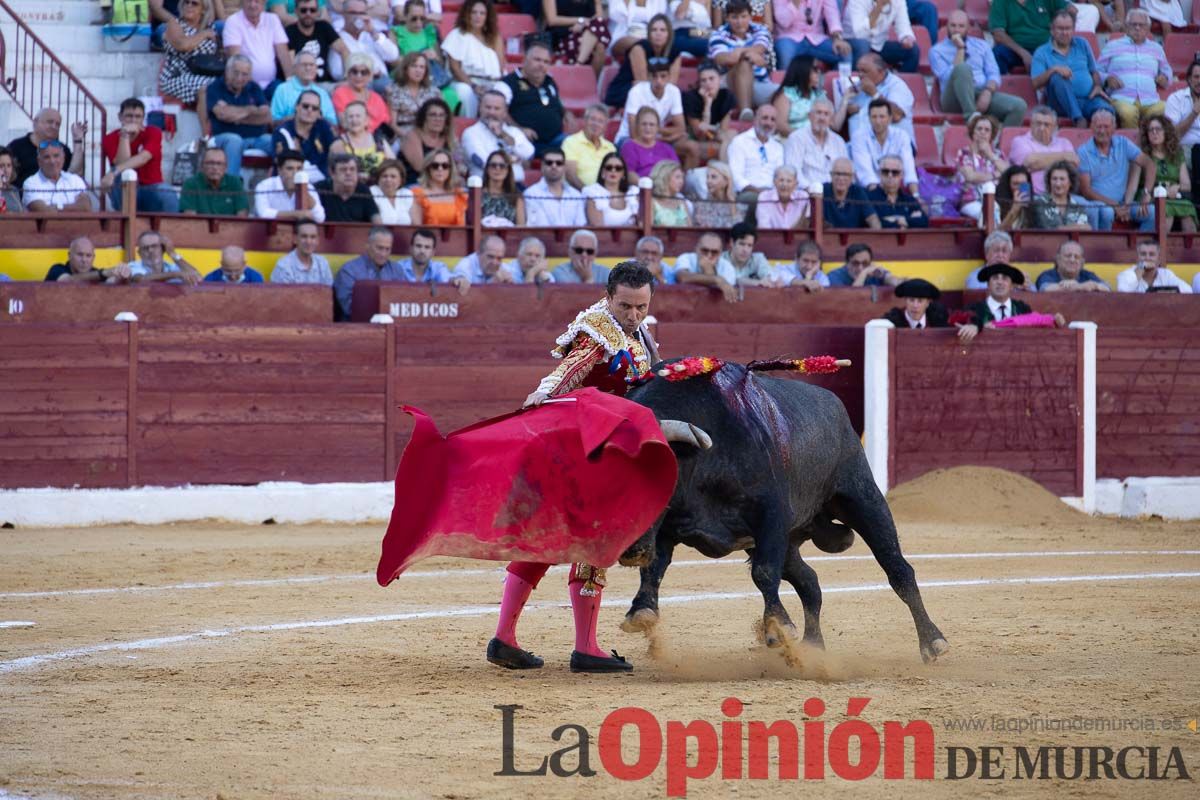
{"x": 640, "y": 621}
{"x": 931, "y": 651}
{"x": 777, "y": 634}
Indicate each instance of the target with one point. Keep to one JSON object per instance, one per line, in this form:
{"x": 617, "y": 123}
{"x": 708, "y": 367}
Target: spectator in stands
{"x": 50, "y": 189}
{"x": 275, "y": 197}
{"x": 288, "y": 11}
{"x": 1066, "y": 69}
{"x": 369, "y": 148}
{"x": 1018, "y": 29}
{"x": 869, "y": 23}
{"x": 10, "y": 196}
{"x": 415, "y": 32}
{"x": 343, "y": 196}
{"x": 412, "y": 89}
{"x": 875, "y": 82}
{"x": 534, "y": 103}
{"x": 369, "y": 47}
{"x": 233, "y": 268}
{"x": 1042, "y": 146}
{"x": 579, "y": 30}
{"x": 785, "y": 205}
{"x": 582, "y": 268}
{"x": 879, "y": 139}
{"x": 502, "y": 204}
{"x": 718, "y": 208}
{"x": 1135, "y": 67}
{"x": 693, "y": 21}
{"x": 492, "y": 133}
{"x": 1014, "y": 199}
{"x": 46, "y": 125}
{"x": 137, "y": 146}
{"x": 1056, "y": 209}
{"x": 743, "y": 49}
{"x": 530, "y": 265}
{"x": 921, "y": 309}
{"x": 755, "y": 154}
{"x": 813, "y": 148}
{"x": 811, "y": 28}
{"x": 752, "y": 268}
{"x": 612, "y": 201}
{"x": 630, "y": 20}
{"x": 997, "y": 249}
{"x": 895, "y": 206}
{"x": 845, "y": 203}
{"x": 283, "y": 102}
{"x": 800, "y": 88}
{"x": 153, "y": 249}
{"x": 649, "y": 252}
{"x": 311, "y": 35}
{"x": 357, "y": 88}
{"x": 1169, "y": 14}
{"x": 1161, "y": 144}
{"x": 662, "y": 96}
{"x": 303, "y": 264}
{"x": 395, "y": 203}
{"x": 236, "y": 113}
{"x": 587, "y": 148}
{"x": 706, "y": 110}
{"x": 706, "y": 267}
{"x": 1104, "y": 164}
{"x": 644, "y": 148}
{"x": 1068, "y": 274}
{"x": 191, "y": 35}
{"x": 552, "y": 202}
{"x": 969, "y": 76}
{"x": 1149, "y": 274}
{"x": 309, "y": 133}
{"x": 671, "y": 208}
{"x": 375, "y": 264}
{"x": 432, "y": 131}
{"x": 979, "y": 162}
{"x": 213, "y": 191}
{"x": 162, "y": 12}
{"x": 860, "y": 269}
{"x": 1183, "y": 109}
{"x": 999, "y": 304}
{"x": 635, "y": 69}
{"x": 420, "y": 267}
{"x": 439, "y": 193}
{"x": 486, "y": 266}
{"x": 81, "y": 266}
{"x": 261, "y": 39}
{"x": 806, "y": 272}
{"x": 474, "y": 53}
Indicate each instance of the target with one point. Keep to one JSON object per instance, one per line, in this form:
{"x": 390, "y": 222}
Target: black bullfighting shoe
{"x": 509, "y": 657}
{"x": 582, "y": 662}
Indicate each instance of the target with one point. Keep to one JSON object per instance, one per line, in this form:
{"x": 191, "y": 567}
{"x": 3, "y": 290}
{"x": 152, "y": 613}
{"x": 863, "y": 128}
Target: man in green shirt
{"x": 1019, "y": 27}
{"x": 211, "y": 191}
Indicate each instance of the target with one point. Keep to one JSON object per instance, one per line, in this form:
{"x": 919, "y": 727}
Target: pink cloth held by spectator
{"x": 1031, "y": 320}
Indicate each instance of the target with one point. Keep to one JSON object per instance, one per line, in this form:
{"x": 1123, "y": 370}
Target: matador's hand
{"x": 535, "y": 399}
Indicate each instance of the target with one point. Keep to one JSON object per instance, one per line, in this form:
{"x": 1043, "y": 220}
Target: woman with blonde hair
{"x": 369, "y": 148}
{"x": 439, "y": 194}
{"x": 396, "y": 204}
{"x": 190, "y": 35}
{"x": 413, "y": 87}
{"x": 357, "y": 86}
{"x": 671, "y": 208}
{"x": 720, "y": 209}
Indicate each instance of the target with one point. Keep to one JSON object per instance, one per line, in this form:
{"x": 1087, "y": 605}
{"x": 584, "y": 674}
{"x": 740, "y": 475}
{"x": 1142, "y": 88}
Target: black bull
{"x": 785, "y": 467}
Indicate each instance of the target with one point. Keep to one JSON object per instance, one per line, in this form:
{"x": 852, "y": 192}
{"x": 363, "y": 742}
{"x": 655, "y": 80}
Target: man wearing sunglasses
{"x": 289, "y": 11}
{"x": 707, "y": 267}
{"x": 896, "y": 207}
{"x": 308, "y": 132}
{"x": 552, "y": 202}
{"x": 50, "y": 189}
{"x": 582, "y": 268}
{"x": 314, "y": 36}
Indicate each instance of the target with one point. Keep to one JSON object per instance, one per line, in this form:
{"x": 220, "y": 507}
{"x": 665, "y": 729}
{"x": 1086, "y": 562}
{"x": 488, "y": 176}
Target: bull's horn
{"x": 676, "y": 430}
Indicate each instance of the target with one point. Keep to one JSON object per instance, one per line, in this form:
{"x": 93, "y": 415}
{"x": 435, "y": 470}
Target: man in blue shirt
{"x": 1067, "y": 70}
{"x": 235, "y": 111}
{"x": 233, "y": 268}
{"x": 420, "y": 266}
{"x": 374, "y": 265}
{"x": 1104, "y": 164}
{"x": 485, "y": 266}
{"x": 969, "y": 76}
{"x": 1068, "y": 274}
{"x": 845, "y": 203}
{"x": 859, "y": 270}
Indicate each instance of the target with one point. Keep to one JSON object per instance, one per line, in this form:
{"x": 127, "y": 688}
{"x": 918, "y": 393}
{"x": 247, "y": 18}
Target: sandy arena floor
{"x": 212, "y": 660}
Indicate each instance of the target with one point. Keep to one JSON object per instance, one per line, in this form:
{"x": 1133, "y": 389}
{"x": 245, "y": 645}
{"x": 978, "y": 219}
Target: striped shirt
{"x": 1136, "y": 65}
{"x": 722, "y": 40}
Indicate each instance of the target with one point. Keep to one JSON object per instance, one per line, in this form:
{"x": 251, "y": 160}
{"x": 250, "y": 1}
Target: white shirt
{"x": 383, "y": 51}
{"x": 1128, "y": 281}
{"x": 1179, "y": 105}
{"x": 542, "y": 210}
{"x": 995, "y": 308}
{"x": 270, "y": 198}
{"x": 914, "y": 323}
{"x": 397, "y": 212}
{"x": 813, "y": 162}
{"x": 857, "y": 22}
{"x": 688, "y": 263}
{"x": 625, "y": 15}
{"x": 477, "y": 59}
{"x": 894, "y": 90}
{"x": 59, "y": 193}
{"x": 753, "y": 161}
{"x": 866, "y": 151}
{"x": 667, "y": 106}
{"x": 612, "y": 217}
{"x": 256, "y": 42}
{"x": 479, "y": 142}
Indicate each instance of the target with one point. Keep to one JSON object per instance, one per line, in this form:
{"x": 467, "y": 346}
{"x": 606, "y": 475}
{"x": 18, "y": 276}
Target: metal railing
{"x": 35, "y": 78}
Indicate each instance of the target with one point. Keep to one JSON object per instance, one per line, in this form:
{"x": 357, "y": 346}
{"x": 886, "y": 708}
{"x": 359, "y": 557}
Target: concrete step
{"x": 38, "y": 13}
{"x": 63, "y": 39}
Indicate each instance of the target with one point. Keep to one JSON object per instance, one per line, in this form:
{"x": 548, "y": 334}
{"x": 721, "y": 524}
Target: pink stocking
{"x": 587, "y": 614}
{"x": 516, "y": 592}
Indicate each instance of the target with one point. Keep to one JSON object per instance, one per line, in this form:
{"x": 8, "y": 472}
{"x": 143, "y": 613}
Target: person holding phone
{"x": 1014, "y": 198}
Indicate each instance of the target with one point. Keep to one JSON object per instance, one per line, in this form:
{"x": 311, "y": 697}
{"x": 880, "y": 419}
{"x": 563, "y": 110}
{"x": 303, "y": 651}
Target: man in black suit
{"x": 921, "y": 309}
{"x": 999, "y": 304}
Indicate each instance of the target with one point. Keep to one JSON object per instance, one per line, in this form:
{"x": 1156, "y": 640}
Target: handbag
{"x": 209, "y": 64}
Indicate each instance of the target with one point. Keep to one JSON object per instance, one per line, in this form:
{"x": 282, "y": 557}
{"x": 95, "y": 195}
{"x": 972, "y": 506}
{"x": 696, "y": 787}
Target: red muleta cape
{"x": 571, "y": 481}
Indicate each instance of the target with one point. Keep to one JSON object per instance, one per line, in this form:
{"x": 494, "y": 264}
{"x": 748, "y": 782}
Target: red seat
{"x": 1076, "y": 136}
{"x": 1022, "y": 87}
{"x": 922, "y": 112}
{"x": 1181, "y": 48}
{"x": 461, "y": 124}
{"x": 1172, "y": 87}
{"x": 610, "y": 130}
{"x": 924, "y": 42}
{"x": 515, "y": 26}
{"x": 688, "y": 78}
{"x": 576, "y": 86}
{"x": 927, "y": 145}
{"x": 954, "y": 138}
{"x": 606, "y": 78}
{"x": 978, "y": 11}
{"x": 1092, "y": 40}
